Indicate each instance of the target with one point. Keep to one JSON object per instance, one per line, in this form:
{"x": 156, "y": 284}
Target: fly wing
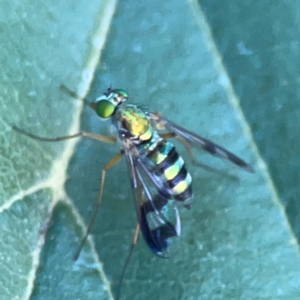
{"x": 157, "y": 215}
{"x": 203, "y": 143}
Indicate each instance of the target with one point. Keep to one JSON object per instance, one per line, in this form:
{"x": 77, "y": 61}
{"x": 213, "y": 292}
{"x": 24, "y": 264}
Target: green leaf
{"x": 259, "y": 43}
{"x": 42, "y": 47}
{"x": 236, "y": 242}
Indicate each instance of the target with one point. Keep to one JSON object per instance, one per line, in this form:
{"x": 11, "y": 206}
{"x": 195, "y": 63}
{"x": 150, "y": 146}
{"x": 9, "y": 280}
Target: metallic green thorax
{"x": 136, "y": 122}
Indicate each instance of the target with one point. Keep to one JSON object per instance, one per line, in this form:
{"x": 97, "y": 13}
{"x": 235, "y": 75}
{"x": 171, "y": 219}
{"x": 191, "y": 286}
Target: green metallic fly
{"x": 157, "y": 172}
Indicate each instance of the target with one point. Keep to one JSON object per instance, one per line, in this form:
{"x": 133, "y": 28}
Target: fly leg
{"x": 109, "y": 165}
{"x": 132, "y": 247}
{"x": 167, "y": 135}
{"x": 73, "y": 94}
{"x": 188, "y": 148}
{"x": 95, "y": 136}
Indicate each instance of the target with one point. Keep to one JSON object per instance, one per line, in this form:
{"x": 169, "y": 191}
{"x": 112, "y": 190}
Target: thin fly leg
{"x": 128, "y": 258}
{"x": 69, "y": 92}
{"x": 109, "y": 165}
{"x": 73, "y": 94}
{"x": 168, "y": 135}
{"x": 95, "y": 136}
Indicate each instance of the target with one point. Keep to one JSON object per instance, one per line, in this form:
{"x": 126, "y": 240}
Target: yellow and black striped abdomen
{"x": 168, "y": 167}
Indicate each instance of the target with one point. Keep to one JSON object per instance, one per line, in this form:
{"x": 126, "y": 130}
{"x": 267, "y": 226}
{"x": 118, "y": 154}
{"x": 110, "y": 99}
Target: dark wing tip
{"x": 239, "y": 162}
{"x": 249, "y": 169}
{"x": 242, "y": 164}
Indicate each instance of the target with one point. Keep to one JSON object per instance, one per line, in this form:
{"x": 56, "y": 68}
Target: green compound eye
{"x": 105, "y": 109}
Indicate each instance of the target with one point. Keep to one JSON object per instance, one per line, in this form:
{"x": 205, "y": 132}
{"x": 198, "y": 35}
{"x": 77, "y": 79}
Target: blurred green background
{"x": 227, "y": 71}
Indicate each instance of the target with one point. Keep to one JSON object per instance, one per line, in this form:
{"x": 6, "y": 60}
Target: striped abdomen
{"x": 168, "y": 168}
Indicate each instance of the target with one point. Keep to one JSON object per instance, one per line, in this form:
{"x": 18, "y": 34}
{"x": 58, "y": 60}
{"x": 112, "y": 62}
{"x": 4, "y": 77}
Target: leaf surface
{"x": 236, "y": 241}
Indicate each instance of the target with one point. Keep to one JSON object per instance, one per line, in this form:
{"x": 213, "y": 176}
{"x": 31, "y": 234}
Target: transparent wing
{"x": 157, "y": 215}
{"x": 200, "y": 142}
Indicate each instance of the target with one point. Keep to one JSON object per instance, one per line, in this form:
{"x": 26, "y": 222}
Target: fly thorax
{"x": 136, "y": 123}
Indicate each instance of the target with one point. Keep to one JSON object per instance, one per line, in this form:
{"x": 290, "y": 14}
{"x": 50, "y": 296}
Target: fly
{"x": 158, "y": 175}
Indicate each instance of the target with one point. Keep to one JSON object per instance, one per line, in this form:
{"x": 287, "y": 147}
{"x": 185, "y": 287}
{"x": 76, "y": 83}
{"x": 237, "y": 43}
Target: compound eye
{"x": 105, "y": 108}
